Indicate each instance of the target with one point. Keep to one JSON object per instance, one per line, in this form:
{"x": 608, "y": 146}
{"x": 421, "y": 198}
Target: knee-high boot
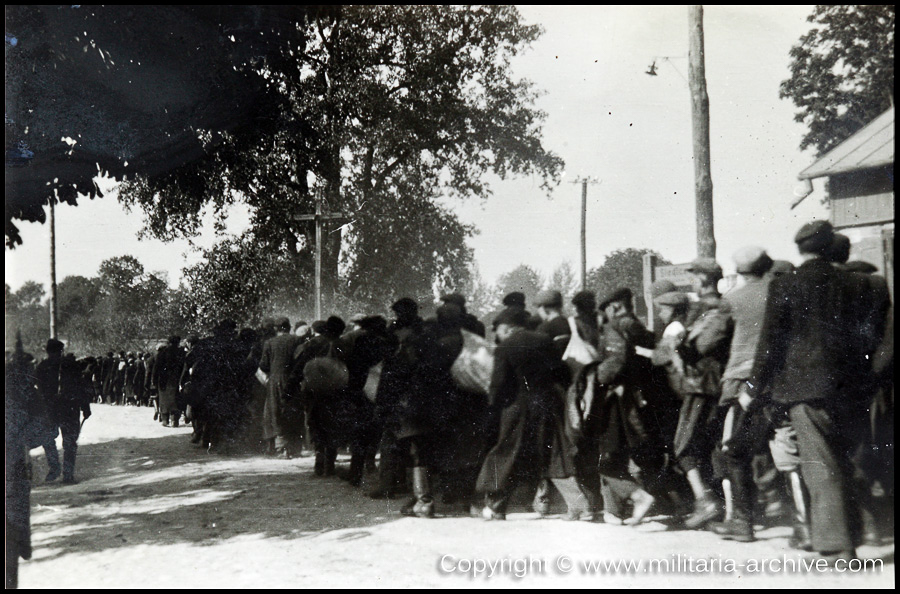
{"x": 424, "y": 506}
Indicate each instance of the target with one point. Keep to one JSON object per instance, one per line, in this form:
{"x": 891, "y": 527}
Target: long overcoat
{"x": 527, "y": 391}
{"x": 277, "y": 361}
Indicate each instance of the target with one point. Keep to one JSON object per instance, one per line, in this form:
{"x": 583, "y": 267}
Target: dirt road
{"x": 152, "y": 510}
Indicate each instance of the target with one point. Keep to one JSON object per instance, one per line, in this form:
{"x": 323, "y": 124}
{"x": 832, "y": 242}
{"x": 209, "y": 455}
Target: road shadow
{"x": 165, "y": 490}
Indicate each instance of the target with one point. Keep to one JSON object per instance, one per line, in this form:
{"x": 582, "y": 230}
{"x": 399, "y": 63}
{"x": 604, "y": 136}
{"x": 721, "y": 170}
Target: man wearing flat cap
{"x": 744, "y": 433}
{"x": 812, "y": 357}
{"x": 623, "y": 425}
{"x": 704, "y": 352}
{"x": 781, "y": 268}
{"x": 469, "y": 322}
{"x": 514, "y": 300}
{"x": 66, "y": 397}
{"x": 553, "y": 323}
{"x": 585, "y": 304}
{"x": 526, "y": 393}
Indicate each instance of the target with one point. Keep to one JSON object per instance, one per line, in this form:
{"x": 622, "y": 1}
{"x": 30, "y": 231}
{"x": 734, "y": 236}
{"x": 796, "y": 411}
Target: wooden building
{"x": 860, "y": 174}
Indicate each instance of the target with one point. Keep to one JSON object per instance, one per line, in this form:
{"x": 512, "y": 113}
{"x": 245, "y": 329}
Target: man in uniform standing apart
{"x": 812, "y": 357}
{"x": 60, "y": 384}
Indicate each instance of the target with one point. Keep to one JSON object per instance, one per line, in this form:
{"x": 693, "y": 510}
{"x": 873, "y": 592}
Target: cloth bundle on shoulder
{"x": 370, "y": 389}
{"x": 579, "y": 352}
{"x": 325, "y": 375}
{"x": 473, "y": 367}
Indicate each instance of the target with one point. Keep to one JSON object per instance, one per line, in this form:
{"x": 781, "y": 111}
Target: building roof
{"x": 872, "y": 146}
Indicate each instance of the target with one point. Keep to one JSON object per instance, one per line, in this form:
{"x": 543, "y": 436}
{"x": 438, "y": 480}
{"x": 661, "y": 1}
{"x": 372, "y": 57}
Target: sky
{"x": 609, "y": 121}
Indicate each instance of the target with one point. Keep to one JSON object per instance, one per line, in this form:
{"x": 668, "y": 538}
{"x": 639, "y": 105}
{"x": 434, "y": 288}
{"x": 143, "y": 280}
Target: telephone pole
{"x": 584, "y": 184}
{"x": 52, "y": 268}
{"x": 706, "y": 240}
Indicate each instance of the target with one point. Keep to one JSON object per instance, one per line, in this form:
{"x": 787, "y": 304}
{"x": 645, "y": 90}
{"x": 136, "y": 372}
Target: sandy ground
{"x": 152, "y": 510}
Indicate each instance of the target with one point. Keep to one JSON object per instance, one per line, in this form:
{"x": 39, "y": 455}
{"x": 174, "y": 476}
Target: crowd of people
{"x": 777, "y": 394}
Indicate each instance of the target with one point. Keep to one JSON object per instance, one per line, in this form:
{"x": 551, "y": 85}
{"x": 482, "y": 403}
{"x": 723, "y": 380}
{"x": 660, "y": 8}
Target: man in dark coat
{"x": 368, "y": 345}
{"x": 526, "y": 390}
{"x": 218, "y": 376}
{"x": 167, "y": 378}
{"x": 704, "y": 352}
{"x": 458, "y": 415}
{"x": 107, "y": 375}
{"x": 586, "y": 317}
{"x": 279, "y": 415}
{"x": 469, "y": 322}
{"x": 121, "y": 378}
{"x": 140, "y": 375}
{"x": 813, "y": 358}
{"x": 396, "y": 375}
{"x": 128, "y": 377}
{"x": 60, "y": 383}
{"x": 20, "y": 398}
{"x": 258, "y": 391}
{"x": 320, "y": 370}
{"x": 553, "y": 323}
{"x": 625, "y": 422}
{"x": 150, "y": 379}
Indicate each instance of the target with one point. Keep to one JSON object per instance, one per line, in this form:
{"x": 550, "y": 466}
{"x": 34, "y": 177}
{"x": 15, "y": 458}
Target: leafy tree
{"x": 563, "y": 279}
{"x": 842, "y": 72}
{"x": 28, "y": 313}
{"x": 120, "y": 276}
{"x": 482, "y": 299}
{"x": 523, "y": 279}
{"x": 126, "y": 307}
{"x": 76, "y": 297}
{"x": 384, "y": 110}
{"x": 239, "y": 279}
{"x": 623, "y": 268}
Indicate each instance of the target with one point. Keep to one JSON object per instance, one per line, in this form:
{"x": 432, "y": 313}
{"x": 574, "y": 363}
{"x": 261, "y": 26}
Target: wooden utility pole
{"x": 319, "y": 219}
{"x": 584, "y": 184}
{"x": 52, "y": 268}
{"x": 583, "y": 234}
{"x": 706, "y": 240}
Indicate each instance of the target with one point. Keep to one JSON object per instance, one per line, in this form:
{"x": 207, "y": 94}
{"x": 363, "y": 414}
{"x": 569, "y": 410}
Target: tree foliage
{"x": 122, "y": 308}
{"x": 382, "y": 112}
{"x": 842, "y": 72}
{"x": 523, "y": 279}
{"x": 563, "y": 279}
{"x": 623, "y": 268}
{"x": 242, "y": 280}
{"x": 27, "y": 313}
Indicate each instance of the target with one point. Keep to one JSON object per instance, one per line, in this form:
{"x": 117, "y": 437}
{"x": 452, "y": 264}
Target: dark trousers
{"x": 745, "y": 435}
{"x": 70, "y": 427}
{"x": 827, "y": 437}
{"x": 394, "y": 460}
